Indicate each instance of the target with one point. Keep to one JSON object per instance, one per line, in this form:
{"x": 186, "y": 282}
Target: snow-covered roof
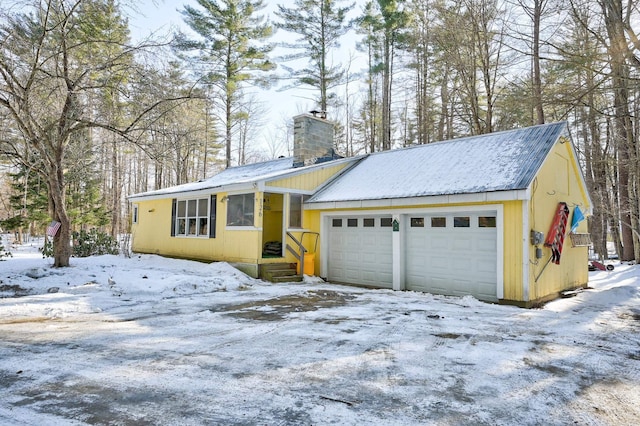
{"x": 239, "y": 175}
{"x": 499, "y": 161}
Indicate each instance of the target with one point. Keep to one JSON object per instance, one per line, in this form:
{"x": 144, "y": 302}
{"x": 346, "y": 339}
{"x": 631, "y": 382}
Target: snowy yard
{"x": 149, "y": 340}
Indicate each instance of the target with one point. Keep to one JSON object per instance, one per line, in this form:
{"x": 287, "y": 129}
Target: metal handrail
{"x": 301, "y": 248}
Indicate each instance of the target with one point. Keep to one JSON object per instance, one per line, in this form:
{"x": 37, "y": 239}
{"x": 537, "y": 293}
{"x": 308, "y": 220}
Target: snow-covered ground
{"x": 149, "y": 340}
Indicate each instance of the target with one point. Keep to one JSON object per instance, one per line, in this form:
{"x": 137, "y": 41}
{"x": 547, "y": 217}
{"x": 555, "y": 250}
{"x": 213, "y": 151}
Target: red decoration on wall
{"x": 555, "y": 237}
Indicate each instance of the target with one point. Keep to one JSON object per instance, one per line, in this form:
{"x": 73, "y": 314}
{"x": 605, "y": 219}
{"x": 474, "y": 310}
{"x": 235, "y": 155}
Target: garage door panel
{"x": 461, "y": 243}
{"x": 452, "y": 260}
{"x": 487, "y": 266}
{"x": 365, "y": 253}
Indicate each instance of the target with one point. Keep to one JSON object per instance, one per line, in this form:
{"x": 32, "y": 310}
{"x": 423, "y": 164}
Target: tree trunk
{"x": 386, "y": 95}
{"x": 618, "y": 49}
{"x": 537, "y": 78}
{"x": 61, "y": 241}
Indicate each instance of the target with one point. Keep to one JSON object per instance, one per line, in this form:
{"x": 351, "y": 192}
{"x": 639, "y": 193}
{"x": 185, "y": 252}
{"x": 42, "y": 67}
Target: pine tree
{"x": 319, "y": 24}
{"x": 230, "y": 52}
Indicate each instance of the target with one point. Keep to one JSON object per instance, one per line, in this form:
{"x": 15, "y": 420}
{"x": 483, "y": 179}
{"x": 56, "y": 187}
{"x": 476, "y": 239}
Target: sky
{"x": 151, "y": 340}
{"x": 280, "y": 106}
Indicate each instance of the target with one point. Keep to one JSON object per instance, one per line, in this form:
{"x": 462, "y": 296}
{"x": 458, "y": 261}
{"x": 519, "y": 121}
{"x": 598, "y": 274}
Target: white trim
{"x": 283, "y": 190}
{"x": 398, "y": 266}
{"x": 500, "y": 251}
{"x": 408, "y": 210}
{"x": 526, "y": 247}
{"x": 482, "y": 197}
{"x": 324, "y": 247}
{"x": 252, "y": 185}
{"x": 397, "y": 254}
{"x": 237, "y": 188}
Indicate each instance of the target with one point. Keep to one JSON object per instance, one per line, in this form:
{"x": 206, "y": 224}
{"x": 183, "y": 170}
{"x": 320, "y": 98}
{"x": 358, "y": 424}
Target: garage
{"x": 452, "y": 254}
{"x": 360, "y": 250}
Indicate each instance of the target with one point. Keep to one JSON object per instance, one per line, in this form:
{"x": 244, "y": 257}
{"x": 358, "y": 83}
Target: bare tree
{"x": 53, "y": 60}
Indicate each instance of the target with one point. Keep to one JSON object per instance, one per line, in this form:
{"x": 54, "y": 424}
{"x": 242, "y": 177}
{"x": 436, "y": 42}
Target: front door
{"x": 272, "y": 217}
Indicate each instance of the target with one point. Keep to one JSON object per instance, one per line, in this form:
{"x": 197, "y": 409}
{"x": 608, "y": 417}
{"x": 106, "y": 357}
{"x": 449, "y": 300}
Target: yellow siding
{"x": 513, "y": 234}
{"x": 558, "y": 181}
{"x": 512, "y": 269}
{"x": 307, "y": 181}
{"x": 152, "y": 234}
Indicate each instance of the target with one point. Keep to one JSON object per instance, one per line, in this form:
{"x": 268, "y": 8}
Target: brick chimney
{"x": 312, "y": 139}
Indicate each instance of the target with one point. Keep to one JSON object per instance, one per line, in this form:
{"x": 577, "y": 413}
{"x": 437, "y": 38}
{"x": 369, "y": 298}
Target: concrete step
{"x": 280, "y": 272}
{"x": 286, "y": 279}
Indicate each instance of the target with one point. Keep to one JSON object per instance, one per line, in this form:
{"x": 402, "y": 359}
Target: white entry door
{"x": 452, "y": 254}
{"x": 360, "y": 250}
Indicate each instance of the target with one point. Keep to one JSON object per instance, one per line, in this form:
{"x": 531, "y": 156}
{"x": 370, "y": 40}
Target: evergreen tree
{"x": 320, "y": 25}
{"x": 230, "y": 52}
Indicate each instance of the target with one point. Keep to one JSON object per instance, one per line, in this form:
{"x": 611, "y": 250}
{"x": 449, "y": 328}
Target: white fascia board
{"x": 482, "y": 197}
{"x": 282, "y": 190}
{"x": 419, "y": 210}
{"x": 235, "y": 188}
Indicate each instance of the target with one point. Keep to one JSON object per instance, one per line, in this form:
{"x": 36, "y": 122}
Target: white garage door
{"x": 360, "y": 250}
{"x": 452, "y": 254}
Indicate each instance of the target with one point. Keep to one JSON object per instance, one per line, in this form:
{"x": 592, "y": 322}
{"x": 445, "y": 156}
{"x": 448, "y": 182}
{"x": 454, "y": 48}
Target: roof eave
{"x": 480, "y": 197}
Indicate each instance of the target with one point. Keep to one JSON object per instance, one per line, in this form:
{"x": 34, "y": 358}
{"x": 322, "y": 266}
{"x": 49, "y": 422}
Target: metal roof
{"x": 246, "y": 175}
{"x": 499, "y": 161}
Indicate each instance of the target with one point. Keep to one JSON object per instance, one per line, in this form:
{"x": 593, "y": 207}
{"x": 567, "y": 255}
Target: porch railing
{"x": 298, "y": 249}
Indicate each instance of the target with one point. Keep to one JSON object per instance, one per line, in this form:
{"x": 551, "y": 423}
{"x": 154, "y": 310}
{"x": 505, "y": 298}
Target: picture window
{"x": 240, "y": 210}
{"x": 192, "y": 218}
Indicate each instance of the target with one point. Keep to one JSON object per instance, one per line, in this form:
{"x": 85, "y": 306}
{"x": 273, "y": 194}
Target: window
{"x": 295, "y": 210}
{"x": 438, "y": 222}
{"x": 368, "y": 223}
{"x": 240, "y": 210}
{"x": 461, "y": 222}
{"x": 336, "y": 223}
{"x": 417, "y": 222}
{"x": 191, "y": 217}
{"x": 134, "y": 215}
{"x": 386, "y": 222}
{"x": 352, "y": 223}
{"x": 487, "y": 222}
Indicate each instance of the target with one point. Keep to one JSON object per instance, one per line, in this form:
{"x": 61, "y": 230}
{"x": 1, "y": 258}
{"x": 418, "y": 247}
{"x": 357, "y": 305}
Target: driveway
{"x": 206, "y": 348}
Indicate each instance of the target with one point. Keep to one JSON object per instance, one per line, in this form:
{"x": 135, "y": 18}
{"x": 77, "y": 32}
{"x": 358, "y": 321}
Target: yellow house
{"x": 484, "y": 216}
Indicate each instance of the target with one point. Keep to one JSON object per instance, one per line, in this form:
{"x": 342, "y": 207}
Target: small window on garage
{"x": 487, "y": 222}
{"x": 336, "y": 223}
{"x": 386, "y": 222}
{"x": 461, "y": 222}
{"x": 438, "y": 222}
{"x": 352, "y": 223}
{"x": 135, "y": 213}
{"x": 368, "y": 223}
{"x": 417, "y": 222}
